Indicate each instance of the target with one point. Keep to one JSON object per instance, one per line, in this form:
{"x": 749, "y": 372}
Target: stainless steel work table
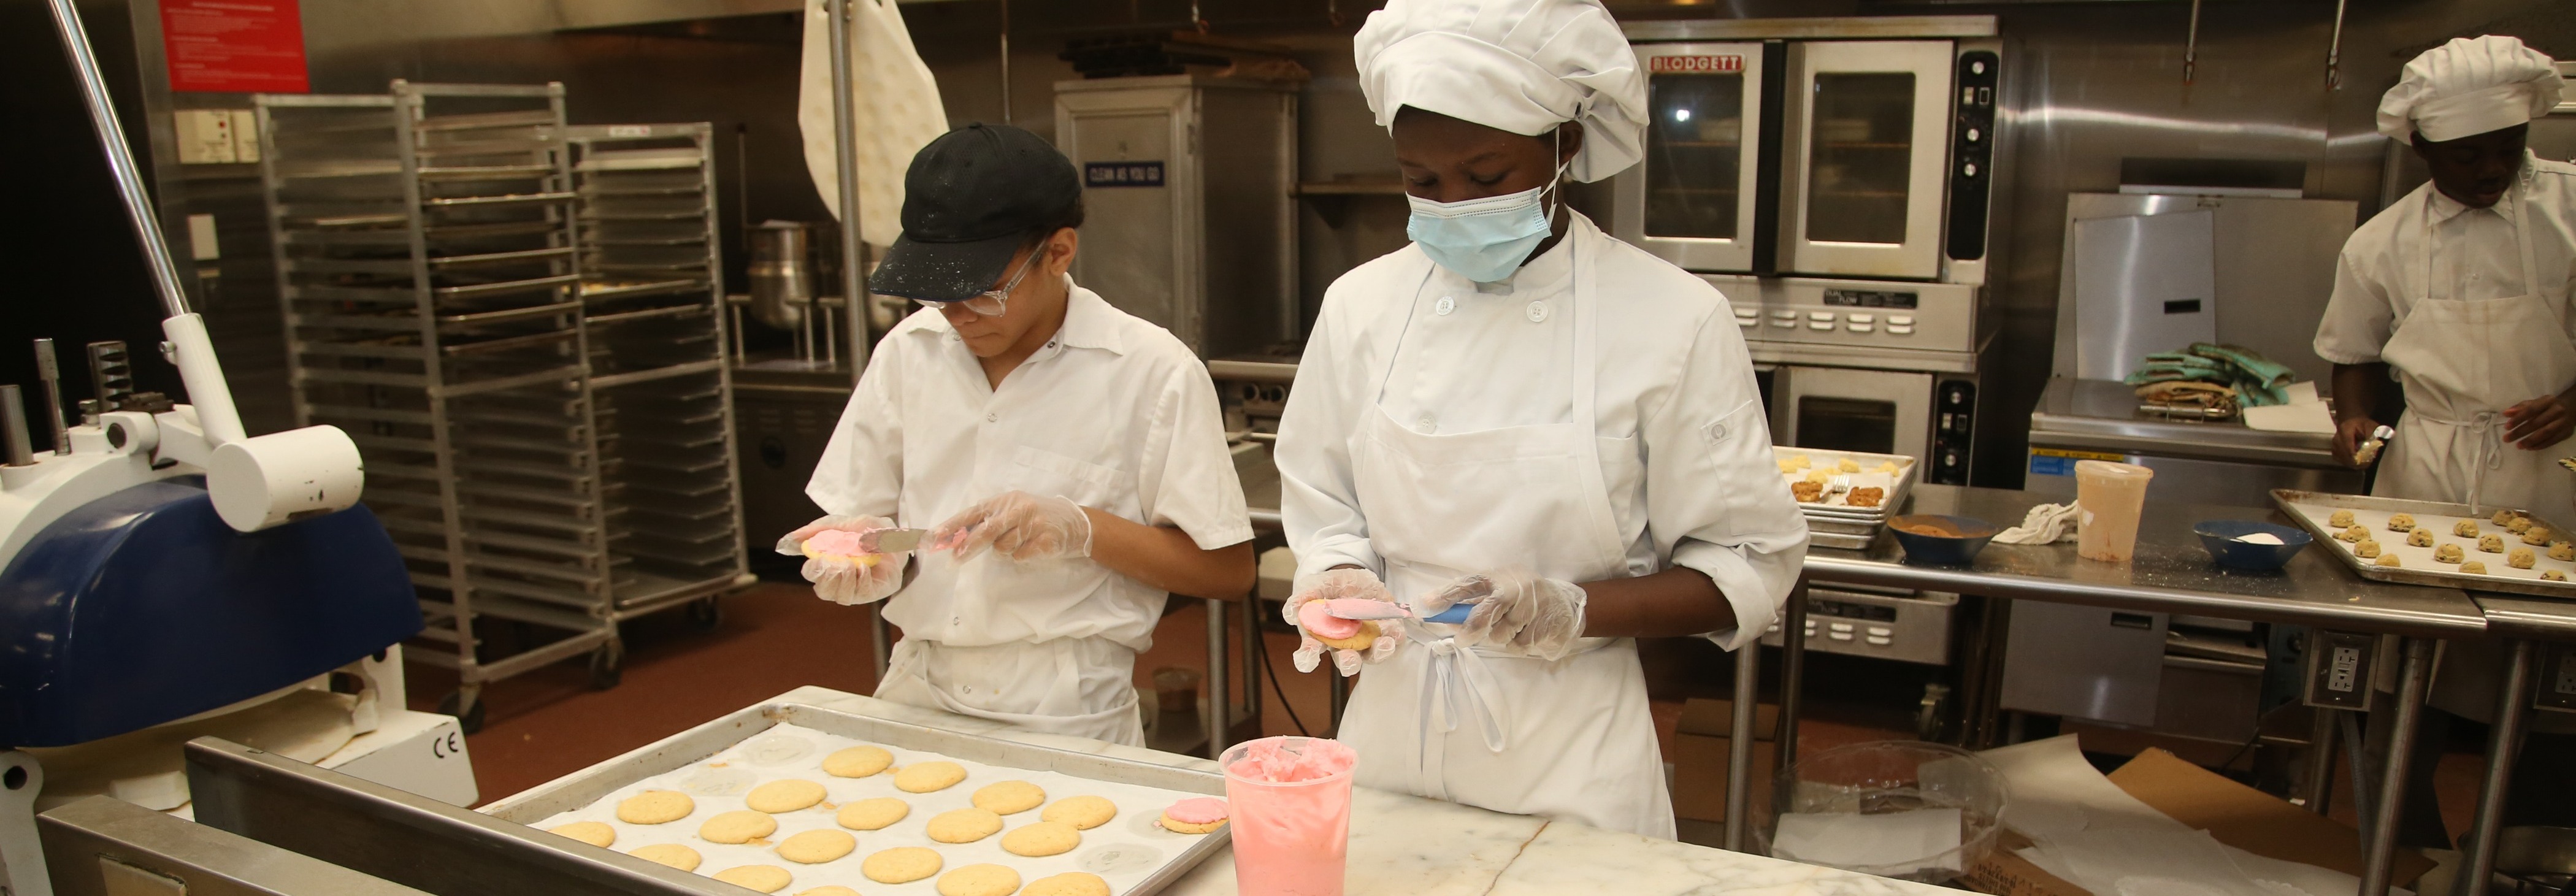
{"x": 2170, "y": 573}
{"x": 2522, "y": 621}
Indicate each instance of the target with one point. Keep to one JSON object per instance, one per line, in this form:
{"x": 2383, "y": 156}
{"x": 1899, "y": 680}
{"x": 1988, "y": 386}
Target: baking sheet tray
{"x": 2312, "y": 509}
{"x": 719, "y": 762}
{"x": 1838, "y": 504}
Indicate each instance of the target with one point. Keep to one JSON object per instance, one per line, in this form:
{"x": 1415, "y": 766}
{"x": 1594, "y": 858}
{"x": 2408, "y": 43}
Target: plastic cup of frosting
{"x": 1290, "y": 801}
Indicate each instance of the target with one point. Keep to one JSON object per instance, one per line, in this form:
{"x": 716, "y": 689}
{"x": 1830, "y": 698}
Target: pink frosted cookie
{"x": 1334, "y": 631}
{"x": 1197, "y": 815}
{"x": 840, "y": 544}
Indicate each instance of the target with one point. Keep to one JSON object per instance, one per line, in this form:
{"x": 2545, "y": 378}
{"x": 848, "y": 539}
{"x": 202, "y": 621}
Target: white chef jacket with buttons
{"x": 2475, "y": 256}
{"x": 1674, "y": 381}
{"x": 1114, "y": 413}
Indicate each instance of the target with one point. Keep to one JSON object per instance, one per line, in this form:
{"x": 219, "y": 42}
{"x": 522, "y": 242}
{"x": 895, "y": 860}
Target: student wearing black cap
{"x": 1072, "y": 455}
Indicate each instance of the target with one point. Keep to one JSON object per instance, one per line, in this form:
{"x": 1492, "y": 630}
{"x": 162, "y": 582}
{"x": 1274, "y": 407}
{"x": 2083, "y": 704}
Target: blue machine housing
{"x": 143, "y": 607}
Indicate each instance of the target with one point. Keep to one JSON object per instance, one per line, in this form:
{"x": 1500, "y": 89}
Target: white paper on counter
{"x": 2094, "y": 835}
{"x": 2305, "y": 412}
{"x": 1891, "y": 844}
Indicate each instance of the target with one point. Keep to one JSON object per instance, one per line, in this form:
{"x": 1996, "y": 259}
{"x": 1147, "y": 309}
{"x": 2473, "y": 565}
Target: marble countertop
{"x": 1409, "y": 845}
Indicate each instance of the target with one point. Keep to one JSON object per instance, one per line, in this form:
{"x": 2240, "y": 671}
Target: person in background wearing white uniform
{"x": 1521, "y": 413}
{"x": 1072, "y": 455}
{"x": 2460, "y": 290}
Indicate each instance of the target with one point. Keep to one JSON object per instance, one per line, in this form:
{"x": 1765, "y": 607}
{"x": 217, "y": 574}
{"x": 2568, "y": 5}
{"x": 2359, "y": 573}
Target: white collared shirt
{"x": 2475, "y": 256}
{"x": 1114, "y": 413}
{"x": 1674, "y": 382}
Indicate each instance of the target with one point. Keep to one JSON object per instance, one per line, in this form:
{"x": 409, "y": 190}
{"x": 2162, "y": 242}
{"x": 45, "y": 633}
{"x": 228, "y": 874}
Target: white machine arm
{"x": 255, "y": 482}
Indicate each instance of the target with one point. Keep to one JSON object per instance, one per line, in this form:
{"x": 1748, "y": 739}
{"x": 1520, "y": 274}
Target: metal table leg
{"x": 2321, "y": 760}
{"x": 1218, "y": 701}
{"x": 2377, "y": 863}
{"x": 1739, "y": 743}
{"x": 1793, "y": 671}
{"x": 1252, "y": 658}
{"x": 1340, "y": 690}
{"x": 884, "y": 637}
{"x": 2504, "y": 743}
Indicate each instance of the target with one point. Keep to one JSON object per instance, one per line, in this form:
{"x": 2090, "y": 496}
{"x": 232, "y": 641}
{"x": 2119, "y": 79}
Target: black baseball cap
{"x": 970, "y": 201}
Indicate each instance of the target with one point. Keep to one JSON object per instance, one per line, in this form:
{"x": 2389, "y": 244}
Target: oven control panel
{"x": 1927, "y": 316}
{"x": 1913, "y": 628}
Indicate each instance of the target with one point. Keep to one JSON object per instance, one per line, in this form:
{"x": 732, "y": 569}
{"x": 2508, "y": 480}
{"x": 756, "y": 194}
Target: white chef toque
{"x": 2469, "y": 86}
{"x": 1517, "y": 65}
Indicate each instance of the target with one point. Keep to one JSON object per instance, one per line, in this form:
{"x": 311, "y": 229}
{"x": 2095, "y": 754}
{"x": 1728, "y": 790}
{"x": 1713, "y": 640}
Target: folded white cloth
{"x": 2045, "y": 524}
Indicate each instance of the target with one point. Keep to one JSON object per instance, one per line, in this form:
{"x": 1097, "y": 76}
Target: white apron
{"x": 2462, "y": 363}
{"x": 1074, "y": 686}
{"x": 1569, "y": 739}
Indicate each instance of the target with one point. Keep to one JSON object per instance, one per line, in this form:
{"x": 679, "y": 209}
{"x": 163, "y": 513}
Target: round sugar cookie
{"x": 672, "y": 854}
{"x": 817, "y": 846}
{"x": 964, "y": 825}
{"x": 737, "y": 826}
{"x": 786, "y": 795}
{"x": 872, "y": 814}
{"x": 1010, "y": 797}
{"x": 857, "y": 762}
{"x": 929, "y": 776}
{"x": 656, "y": 807}
{"x": 1045, "y": 838}
{"x": 1196, "y": 815}
{"x": 1082, "y": 812}
{"x": 1070, "y": 883}
{"x": 763, "y": 878}
{"x": 979, "y": 880}
{"x": 901, "y": 865}
{"x": 591, "y": 832}
{"x": 828, "y": 891}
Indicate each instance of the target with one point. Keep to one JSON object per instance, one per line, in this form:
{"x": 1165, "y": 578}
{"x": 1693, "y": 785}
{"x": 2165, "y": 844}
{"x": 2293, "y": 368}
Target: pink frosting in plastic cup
{"x": 1290, "y": 798}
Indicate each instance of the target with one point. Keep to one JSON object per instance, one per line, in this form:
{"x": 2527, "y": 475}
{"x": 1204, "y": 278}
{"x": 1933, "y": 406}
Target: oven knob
{"x": 1827, "y": 316}
{"x": 1858, "y": 327}
{"x": 1968, "y": 170}
{"x": 1840, "y": 636}
{"x": 1748, "y": 322}
{"x": 1902, "y": 320}
{"x": 1881, "y": 630}
{"x": 1974, "y": 134}
{"x": 1842, "y": 626}
{"x": 1876, "y": 641}
{"x": 1895, "y": 330}
{"x": 1812, "y": 325}
{"x": 1860, "y": 318}
{"x": 1773, "y": 630}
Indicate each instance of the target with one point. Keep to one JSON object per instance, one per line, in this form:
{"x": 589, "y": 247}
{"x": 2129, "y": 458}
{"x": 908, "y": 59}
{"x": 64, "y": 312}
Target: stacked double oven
{"x": 1834, "y": 177}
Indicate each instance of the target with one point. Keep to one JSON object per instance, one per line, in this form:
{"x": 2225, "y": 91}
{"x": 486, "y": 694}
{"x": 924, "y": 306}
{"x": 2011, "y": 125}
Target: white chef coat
{"x": 1686, "y": 446}
{"x": 1114, "y": 413}
{"x": 2475, "y": 256}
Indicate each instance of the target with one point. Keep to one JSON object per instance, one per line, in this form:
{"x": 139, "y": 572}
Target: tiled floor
{"x": 549, "y": 723}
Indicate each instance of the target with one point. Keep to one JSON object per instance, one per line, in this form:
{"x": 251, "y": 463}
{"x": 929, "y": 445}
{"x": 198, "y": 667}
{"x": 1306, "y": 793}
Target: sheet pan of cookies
{"x": 2433, "y": 543}
{"x": 1845, "y": 484}
{"x": 878, "y": 807}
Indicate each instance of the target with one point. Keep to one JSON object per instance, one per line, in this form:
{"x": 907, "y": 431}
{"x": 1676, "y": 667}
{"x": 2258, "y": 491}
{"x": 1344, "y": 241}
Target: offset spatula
{"x": 893, "y": 541}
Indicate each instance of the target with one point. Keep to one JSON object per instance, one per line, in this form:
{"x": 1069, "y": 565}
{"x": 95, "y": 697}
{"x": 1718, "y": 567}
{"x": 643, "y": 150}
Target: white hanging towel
{"x": 894, "y": 111}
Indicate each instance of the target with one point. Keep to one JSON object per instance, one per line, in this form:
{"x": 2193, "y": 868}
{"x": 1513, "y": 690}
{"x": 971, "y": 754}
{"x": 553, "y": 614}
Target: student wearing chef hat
{"x": 2459, "y": 291}
{"x": 1072, "y": 456}
{"x": 1519, "y": 413}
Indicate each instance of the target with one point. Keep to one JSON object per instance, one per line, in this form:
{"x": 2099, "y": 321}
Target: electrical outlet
{"x": 2339, "y": 666}
{"x": 2557, "y": 674}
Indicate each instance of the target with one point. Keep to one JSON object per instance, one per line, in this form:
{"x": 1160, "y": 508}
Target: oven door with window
{"x": 1840, "y": 409}
{"x": 1866, "y": 128}
{"x": 1690, "y": 201}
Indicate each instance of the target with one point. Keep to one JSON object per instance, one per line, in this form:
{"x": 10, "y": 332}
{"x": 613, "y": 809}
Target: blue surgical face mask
{"x": 1483, "y": 240}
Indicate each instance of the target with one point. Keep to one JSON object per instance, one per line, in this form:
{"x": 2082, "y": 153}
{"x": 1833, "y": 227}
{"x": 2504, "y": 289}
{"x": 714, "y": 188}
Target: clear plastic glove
{"x": 1336, "y": 584}
{"x": 846, "y": 579}
{"x": 1018, "y": 525}
{"x": 1515, "y": 612}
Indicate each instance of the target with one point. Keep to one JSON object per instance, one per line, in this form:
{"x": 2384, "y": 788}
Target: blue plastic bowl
{"x": 2219, "y": 536}
{"x": 1942, "y": 550}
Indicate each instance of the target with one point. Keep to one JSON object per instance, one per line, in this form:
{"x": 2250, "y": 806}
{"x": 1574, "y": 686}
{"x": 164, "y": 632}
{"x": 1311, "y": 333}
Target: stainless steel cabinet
{"x": 1188, "y": 184}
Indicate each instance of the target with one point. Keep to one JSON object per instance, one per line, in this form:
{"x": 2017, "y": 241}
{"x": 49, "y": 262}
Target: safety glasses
{"x": 992, "y": 302}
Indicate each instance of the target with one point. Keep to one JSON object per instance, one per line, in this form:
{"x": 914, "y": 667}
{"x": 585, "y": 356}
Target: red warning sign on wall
{"x": 234, "y": 46}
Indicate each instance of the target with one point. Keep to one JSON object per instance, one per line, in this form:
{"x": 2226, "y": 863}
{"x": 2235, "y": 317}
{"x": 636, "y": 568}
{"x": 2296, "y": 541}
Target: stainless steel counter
{"x": 2171, "y": 573}
{"x": 2101, "y": 415}
{"x": 2529, "y": 618}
